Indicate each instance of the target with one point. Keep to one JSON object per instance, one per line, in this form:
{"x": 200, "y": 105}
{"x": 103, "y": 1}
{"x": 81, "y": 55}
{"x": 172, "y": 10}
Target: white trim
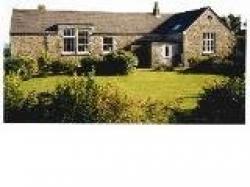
{"x": 76, "y": 37}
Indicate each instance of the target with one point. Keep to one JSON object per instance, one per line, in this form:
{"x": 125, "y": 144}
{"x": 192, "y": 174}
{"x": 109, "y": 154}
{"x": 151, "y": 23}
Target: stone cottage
{"x": 156, "y": 38}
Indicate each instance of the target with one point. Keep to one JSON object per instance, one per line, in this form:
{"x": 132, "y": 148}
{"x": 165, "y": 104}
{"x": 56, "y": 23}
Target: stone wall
{"x": 193, "y": 37}
{"x": 31, "y": 45}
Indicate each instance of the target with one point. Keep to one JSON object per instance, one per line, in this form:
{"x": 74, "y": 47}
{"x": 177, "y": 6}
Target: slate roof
{"x": 26, "y": 21}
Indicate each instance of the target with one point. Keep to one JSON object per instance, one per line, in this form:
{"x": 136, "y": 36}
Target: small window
{"x": 208, "y": 43}
{"x": 108, "y": 44}
{"x": 176, "y": 27}
{"x": 167, "y": 51}
{"x": 69, "y": 40}
{"x": 83, "y": 41}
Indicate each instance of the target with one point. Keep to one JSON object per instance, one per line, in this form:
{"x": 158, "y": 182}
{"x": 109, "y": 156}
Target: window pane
{"x": 82, "y": 48}
{"x": 69, "y": 32}
{"x": 108, "y": 44}
{"x": 167, "y": 51}
{"x": 69, "y": 44}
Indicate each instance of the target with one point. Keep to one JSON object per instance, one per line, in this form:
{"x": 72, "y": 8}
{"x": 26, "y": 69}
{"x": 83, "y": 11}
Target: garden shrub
{"x": 216, "y": 65}
{"x": 24, "y": 66}
{"x": 221, "y": 103}
{"x": 117, "y": 63}
{"x": 44, "y": 64}
{"x": 13, "y": 96}
{"x": 61, "y": 66}
{"x": 82, "y": 100}
{"x": 88, "y": 65}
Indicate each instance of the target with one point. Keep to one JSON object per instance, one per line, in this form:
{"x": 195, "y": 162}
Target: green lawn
{"x": 166, "y": 86}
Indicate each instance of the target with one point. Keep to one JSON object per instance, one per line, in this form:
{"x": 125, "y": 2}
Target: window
{"x": 176, "y": 27}
{"x": 108, "y": 44}
{"x": 75, "y": 40}
{"x": 83, "y": 41}
{"x": 69, "y": 40}
{"x": 208, "y": 42}
{"x": 167, "y": 51}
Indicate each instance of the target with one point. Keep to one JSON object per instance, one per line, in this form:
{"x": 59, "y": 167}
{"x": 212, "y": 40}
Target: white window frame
{"x": 113, "y": 44}
{"x": 69, "y": 37}
{"x": 76, "y": 43}
{"x": 208, "y": 43}
{"x": 85, "y": 44}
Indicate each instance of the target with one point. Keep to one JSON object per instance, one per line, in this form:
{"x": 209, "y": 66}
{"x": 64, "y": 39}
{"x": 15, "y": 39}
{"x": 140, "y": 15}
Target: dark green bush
{"x": 88, "y": 65}
{"x": 24, "y": 66}
{"x": 216, "y": 65}
{"x": 117, "y": 63}
{"x": 60, "y": 66}
{"x": 223, "y": 103}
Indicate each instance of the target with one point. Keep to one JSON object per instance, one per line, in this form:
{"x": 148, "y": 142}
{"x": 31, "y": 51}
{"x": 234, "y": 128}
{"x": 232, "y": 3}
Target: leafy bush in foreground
{"x": 24, "y": 66}
{"x": 13, "y": 96}
{"x": 81, "y": 100}
{"x": 223, "y": 103}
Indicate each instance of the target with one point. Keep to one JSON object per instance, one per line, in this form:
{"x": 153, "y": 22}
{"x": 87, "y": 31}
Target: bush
{"x": 88, "y": 65}
{"x": 117, "y": 63}
{"x": 24, "y": 66}
{"x": 216, "y": 65}
{"x": 63, "y": 66}
{"x": 223, "y": 103}
{"x": 44, "y": 64}
{"x": 13, "y": 96}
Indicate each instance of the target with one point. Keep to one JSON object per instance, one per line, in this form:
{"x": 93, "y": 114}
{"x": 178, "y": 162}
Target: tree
{"x": 233, "y": 22}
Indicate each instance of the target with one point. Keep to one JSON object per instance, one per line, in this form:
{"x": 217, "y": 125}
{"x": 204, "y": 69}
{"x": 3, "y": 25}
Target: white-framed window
{"x": 83, "y": 41}
{"x": 69, "y": 40}
{"x": 208, "y": 42}
{"x": 107, "y": 44}
{"x": 75, "y": 40}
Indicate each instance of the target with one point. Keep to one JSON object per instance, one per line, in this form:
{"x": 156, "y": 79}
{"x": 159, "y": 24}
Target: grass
{"x": 165, "y": 86}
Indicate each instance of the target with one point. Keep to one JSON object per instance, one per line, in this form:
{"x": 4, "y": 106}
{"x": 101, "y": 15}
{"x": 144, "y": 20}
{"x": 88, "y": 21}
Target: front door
{"x": 143, "y": 54}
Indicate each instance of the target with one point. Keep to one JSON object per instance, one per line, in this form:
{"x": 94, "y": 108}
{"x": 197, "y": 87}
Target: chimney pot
{"x": 156, "y": 10}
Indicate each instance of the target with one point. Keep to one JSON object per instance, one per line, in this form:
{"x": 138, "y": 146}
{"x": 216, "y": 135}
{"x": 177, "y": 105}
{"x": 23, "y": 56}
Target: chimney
{"x": 41, "y": 8}
{"x": 156, "y": 10}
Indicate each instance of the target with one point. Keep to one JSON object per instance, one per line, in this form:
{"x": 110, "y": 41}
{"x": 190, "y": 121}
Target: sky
{"x": 222, "y": 7}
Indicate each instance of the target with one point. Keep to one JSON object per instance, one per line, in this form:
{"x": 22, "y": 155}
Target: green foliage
{"x": 81, "y": 100}
{"x": 13, "y": 95}
{"x": 24, "y": 66}
{"x": 216, "y": 65}
{"x": 222, "y": 103}
{"x": 88, "y": 65}
{"x": 6, "y": 51}
{"x": 233, "y": 22}
{"x": 44, "y": 64}
{"x": 117, "y": 63}
{"x": 60, "y": 66}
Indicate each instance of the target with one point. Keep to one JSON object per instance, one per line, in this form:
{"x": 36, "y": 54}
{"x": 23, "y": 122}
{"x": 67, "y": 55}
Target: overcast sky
{"x": 222, "y": 7}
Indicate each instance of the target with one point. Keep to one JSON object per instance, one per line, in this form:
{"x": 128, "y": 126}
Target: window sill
{"x": 208, "y": 53}
{"x": 75, "y": 54}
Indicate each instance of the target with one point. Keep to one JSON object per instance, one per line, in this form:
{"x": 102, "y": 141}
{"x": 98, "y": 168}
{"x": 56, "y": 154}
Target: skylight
{"x": 176, "y": 27}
